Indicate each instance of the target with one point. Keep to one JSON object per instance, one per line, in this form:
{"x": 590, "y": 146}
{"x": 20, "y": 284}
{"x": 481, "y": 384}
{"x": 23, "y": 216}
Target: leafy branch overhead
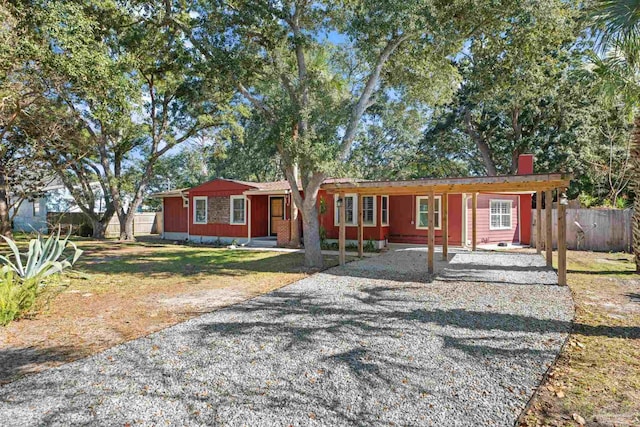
{"x": 119, "y": 98}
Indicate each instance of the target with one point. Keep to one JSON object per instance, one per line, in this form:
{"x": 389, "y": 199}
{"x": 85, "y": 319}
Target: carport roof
{"x": 479, "y": 184}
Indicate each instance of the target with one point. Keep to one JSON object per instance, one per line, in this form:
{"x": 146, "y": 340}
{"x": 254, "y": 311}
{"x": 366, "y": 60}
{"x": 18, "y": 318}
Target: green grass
{"x": 122, "y": 291}
{"x": 599, "y": 370}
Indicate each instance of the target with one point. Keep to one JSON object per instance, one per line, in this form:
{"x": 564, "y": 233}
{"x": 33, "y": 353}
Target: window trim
{"x": 231, "y": 218}
{"x": 439, "y": 212}
{"x": 195, "y": 209}
{"x": 375, "y": 213}
{"x": 384, "y": 223}
{"x": 491, "y": 227}
{"x": 336, "y": 215}
{"x": 35, "y": 208}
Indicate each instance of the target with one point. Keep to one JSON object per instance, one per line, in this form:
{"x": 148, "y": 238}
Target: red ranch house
{"x": 224, "y": 210}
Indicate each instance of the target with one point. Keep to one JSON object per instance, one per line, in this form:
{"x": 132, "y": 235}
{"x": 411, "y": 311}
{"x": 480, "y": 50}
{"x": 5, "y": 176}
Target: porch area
{"x": 530, "y": 184}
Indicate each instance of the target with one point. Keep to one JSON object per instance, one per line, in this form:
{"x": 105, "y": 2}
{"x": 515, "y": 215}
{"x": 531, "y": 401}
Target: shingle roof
{"x": 178, "y": 192}
{"x": 273, "y": 185}
{"x": 284, "y": 184}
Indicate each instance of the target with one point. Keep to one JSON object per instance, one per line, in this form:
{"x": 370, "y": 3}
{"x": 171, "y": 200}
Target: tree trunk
{"x": 294, "y": 241}
{"x": 126, "y": 226}
{"x": 311, "y": 226}
{"x": 295, "y": 227}
{"x": 99, "y": 227}
{"x": 5, "y": 219}
{"x": 635, "y": 187}
{"x": 310, "y": 222}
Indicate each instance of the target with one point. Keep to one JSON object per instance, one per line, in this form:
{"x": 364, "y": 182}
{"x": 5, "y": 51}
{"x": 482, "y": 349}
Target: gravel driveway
{"x": 376, "y": 342}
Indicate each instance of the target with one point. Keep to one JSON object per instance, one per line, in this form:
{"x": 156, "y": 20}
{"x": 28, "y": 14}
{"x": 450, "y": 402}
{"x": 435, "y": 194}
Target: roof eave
{"x": 505, "y": 183}
{"x": 173, "y": 193}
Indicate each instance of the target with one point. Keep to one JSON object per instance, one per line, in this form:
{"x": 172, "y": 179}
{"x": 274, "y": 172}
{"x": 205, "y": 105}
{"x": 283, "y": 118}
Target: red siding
{"x": 217, "y": 188}
{"x": 174, "y": 215}
{"x": 525, "y": 218}
{"x": 403, "y": 229}
{"x": 402, "y": 216}
{"x": 259, "y": 216}
{"x": 377, "y": 232}
{"x": 525, "y": 167}
{"x": 485, "y": 234}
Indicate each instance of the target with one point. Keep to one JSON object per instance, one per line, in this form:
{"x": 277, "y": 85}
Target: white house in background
{"x": 32, "y": 214}
{"x": 60, "y": 200}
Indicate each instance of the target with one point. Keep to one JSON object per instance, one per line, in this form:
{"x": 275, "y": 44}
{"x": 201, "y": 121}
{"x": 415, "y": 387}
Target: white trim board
{"x": 231, "y": 218}
{"x": 439, "y": 212}
{"x": 284, "y": 209}
{"x": 196, "y": 199}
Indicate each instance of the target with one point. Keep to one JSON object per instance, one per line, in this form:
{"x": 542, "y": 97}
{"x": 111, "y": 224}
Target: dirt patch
{"x": 207, "y": 300}
{"x": 597, "y": 377}
{"x": 125, "y": 291}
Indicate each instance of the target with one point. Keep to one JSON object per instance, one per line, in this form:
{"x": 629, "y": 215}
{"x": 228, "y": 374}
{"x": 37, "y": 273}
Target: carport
{"x": 508, "y": 184}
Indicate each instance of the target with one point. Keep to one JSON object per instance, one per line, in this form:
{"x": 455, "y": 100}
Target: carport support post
{"x": 539, "y": 222}
{"x": 343, "y": 230}
{"x": 562, "y": 240}
{"x": 432, "y": 229}
{"x": 548, "y": 216}
{"x": 474, "y": 221}
{"x": 360, "y": 226}
{"x": 445, "y": 226}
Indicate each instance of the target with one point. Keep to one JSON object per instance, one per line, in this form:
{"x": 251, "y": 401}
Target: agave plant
{"x": 43, "y": 259}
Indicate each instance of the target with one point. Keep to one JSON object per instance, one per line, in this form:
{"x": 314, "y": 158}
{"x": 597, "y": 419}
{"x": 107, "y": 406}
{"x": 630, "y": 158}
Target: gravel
{"x": 377, "y": 342}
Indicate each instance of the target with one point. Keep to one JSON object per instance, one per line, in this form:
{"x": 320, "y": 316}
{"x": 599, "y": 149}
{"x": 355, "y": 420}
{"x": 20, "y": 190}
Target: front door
{"x": 277, "y": 212}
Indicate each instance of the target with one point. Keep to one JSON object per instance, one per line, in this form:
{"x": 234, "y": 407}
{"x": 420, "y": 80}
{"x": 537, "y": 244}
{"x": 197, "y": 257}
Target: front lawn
{"x": 123, "y": 291}
{"x": 597, "y": 377}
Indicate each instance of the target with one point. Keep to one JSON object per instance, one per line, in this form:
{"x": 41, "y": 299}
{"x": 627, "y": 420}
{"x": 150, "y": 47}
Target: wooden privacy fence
{"x": 144, "y": 223}
{"x": 600, "y": 230}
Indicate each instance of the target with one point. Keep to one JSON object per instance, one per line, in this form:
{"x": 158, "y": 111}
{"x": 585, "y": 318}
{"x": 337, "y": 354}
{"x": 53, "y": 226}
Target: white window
{"x": 500, "y": 215}
{"x": 369, "y": 210}
{"x": 384, "y": 210}
{"x": 238, "y": 211}
{"x": 36, "y": 207}
{"x": 351, "y": 208}
{"x": 422, "y": 212}
{"x": 200, "y": 210}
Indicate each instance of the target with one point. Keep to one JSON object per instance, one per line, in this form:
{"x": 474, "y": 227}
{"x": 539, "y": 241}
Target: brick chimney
{"x": 525, "y": 164}
{"x": 525, "y": 167}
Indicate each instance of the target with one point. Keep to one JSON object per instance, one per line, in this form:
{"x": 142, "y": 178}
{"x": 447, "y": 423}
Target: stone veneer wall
{"x": 218, "y": 210}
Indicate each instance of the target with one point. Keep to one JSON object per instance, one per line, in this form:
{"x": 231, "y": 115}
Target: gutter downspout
{"x": 188, "y": 208}
{"x": 163, "y": 219}
{"x": 248, "y": 221}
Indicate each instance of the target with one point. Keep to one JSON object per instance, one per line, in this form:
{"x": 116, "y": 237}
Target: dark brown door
{"x": 277, "y": 212}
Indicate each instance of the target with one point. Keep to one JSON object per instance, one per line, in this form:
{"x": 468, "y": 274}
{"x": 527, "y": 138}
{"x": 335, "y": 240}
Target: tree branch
{"x": 362, "y": 104}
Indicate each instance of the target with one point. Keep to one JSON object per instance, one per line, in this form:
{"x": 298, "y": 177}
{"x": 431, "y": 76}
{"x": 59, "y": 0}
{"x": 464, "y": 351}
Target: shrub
{"x": 29, "y": 281}
{"x": 19, "y": 298}
{"x": 323, "y": 235}
{"x": 43, "y": 258}
{"x": 587, "y": 200}
{"x": 621, "y": 202}
{"x": 370, "y": 246}
{"x": 16, "y": 297}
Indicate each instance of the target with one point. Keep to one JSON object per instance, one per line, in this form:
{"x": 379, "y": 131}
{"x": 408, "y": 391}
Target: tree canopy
{"x": 132, "y": 97}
